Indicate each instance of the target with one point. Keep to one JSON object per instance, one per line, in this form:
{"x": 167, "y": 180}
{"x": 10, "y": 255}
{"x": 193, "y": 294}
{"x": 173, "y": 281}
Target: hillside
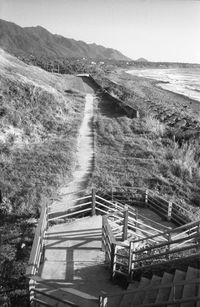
{"x": 40, "y": 114}
{"x": 39, "y": 42}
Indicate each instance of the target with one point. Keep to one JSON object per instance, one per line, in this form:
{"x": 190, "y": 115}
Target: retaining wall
{"x": 129, "y": 111}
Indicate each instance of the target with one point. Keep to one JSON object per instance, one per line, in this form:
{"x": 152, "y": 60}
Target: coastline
{"x": 174, "y": 87}
{"x": 165, "y": 97}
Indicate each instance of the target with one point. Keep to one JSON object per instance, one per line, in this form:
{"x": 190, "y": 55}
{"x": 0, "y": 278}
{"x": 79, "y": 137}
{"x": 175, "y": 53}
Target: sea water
{"x": 184, "y": 81}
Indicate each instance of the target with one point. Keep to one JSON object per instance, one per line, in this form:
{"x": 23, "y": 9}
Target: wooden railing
{"x": 136, "y": 223}
{"x": 169, "y": 209}
{"x": 179, "y": 240}
{"x": 127, "y": 257}
{"x": 140, "y": 197}
{"x": 107, "y": 299}
{"x": 37, "y": 246}
{"x": 82, "y": 205}
{"x": 120, "y": 222}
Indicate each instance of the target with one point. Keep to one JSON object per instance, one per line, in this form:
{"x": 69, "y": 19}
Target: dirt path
{"x": 85, "y": 155}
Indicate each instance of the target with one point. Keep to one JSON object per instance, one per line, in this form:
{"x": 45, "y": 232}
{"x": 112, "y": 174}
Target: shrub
{"x": 185, "y": 158}
{"x": 153, "y": 125}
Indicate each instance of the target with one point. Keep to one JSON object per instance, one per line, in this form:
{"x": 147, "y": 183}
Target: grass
{"x": 39, "y": 121}
{"x": 142, "y": 153}
{"x": 153, "y": 125}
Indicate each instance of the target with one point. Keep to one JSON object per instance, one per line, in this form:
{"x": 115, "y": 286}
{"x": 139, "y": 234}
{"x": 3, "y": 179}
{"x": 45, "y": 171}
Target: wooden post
{"x": 146, "y": 197}
{"x": 103, "y": 234}
{"x": 93, "y": 201}
{"x": 130, "y": 261}
{"x": 169, "y": 247}
{"x": 112, "y": 193}
{"x": 125, "y": 228}
{"x": 198, "y": 238}
{"x": 47, "y": 216}
{"x": 103, "y": 300}
{"x": 113, "y": 260}
{"x": 136, "y": 217}
{"x": 169, "y": 212}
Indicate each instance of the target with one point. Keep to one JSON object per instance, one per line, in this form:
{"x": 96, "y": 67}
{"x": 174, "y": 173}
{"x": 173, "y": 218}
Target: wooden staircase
{"x": 181, "y": 289}
{"x": 130, "y": 243}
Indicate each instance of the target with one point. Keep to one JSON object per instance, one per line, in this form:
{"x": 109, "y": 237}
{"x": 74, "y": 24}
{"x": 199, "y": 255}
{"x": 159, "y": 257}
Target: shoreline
{"x": 182, "y": 100}
{"x": 159, "y": 83}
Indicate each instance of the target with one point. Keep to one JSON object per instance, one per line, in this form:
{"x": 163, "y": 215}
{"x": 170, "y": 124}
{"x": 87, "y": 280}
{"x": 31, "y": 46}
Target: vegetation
{"x": 143, "y": 153}
{"x": 39, "y": 120}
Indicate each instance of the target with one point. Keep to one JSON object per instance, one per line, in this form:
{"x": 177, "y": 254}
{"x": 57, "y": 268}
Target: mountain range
{"x": 37, "y": 41}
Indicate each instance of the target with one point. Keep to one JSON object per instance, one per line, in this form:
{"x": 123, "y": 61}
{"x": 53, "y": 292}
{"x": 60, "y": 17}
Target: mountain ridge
{"x": 38, "y": 41}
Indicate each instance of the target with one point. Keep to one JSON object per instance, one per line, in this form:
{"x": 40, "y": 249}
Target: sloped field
{"x": 40, "y": 114}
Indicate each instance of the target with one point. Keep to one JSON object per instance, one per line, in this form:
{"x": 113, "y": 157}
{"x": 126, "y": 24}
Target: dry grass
{"x": 151, "y": 124}
{"x": 39, "y": 122}
{"x": 185, "y": 159}
{"x": 140, "y": 153}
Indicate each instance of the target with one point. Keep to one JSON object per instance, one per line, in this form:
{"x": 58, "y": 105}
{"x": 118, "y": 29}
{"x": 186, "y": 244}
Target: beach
{"x": 183, "y": 81}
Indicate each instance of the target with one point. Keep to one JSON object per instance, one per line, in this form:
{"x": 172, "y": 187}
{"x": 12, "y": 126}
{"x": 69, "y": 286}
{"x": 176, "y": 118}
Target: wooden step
{"x": 190, "y": 290}
{"x": 150, "y": 296}
{"x": 138, "y": 298}
{"x": 126, "y": 300}
{"x": 163, "y": 294}
{"x": 178, "y": 276}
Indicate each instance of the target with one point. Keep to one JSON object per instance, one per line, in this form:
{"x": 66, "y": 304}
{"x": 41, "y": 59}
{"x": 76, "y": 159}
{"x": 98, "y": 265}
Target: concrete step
{"x": 178, "y": 276}
{"x": 190, "y": 290}
{"x": 163, "y": 294}
{"x": 126, "y": 300}
{"x": 138, "y": 298}
{"x": 150, "y": 296}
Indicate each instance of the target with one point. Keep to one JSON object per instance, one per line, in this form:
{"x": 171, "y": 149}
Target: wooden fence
{"x": 167, "y": 209}
{"x": 151, "y": 250}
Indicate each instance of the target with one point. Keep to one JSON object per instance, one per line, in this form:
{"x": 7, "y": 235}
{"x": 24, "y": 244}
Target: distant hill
{"x": 40, "y": 42}
{"x": 141, "y": 60}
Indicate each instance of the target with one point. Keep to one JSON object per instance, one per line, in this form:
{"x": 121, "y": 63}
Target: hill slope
{"x": 38, "y": 41}
{"x": 40, "y": 114}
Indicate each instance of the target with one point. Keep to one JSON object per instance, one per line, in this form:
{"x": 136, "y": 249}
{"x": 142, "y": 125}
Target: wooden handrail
{"x": 72, "y": 208}
{"x": 69, "y": 214}
{"x": 159, "y": 245}
{"x": 39, "y": 234}
{"x": 170, "y": 231}
{"x": 154, "y": 193}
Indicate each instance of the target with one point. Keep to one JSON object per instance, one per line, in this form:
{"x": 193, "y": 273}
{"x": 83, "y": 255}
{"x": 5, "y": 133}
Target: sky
{"x": 158, "y": 30}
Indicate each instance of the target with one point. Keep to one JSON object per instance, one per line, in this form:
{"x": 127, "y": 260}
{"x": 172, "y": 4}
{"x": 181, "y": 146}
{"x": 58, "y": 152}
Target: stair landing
{"x": 73, "y": 266}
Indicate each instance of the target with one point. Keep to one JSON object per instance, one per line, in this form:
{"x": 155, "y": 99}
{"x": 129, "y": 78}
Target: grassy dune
{"x": 40, "y": 114}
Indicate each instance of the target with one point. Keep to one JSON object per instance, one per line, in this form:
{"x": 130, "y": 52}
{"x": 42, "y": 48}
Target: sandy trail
{"x": 85, "y": 154}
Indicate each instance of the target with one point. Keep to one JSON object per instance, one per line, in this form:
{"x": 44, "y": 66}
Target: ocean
{"x": 184, "y": 81}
